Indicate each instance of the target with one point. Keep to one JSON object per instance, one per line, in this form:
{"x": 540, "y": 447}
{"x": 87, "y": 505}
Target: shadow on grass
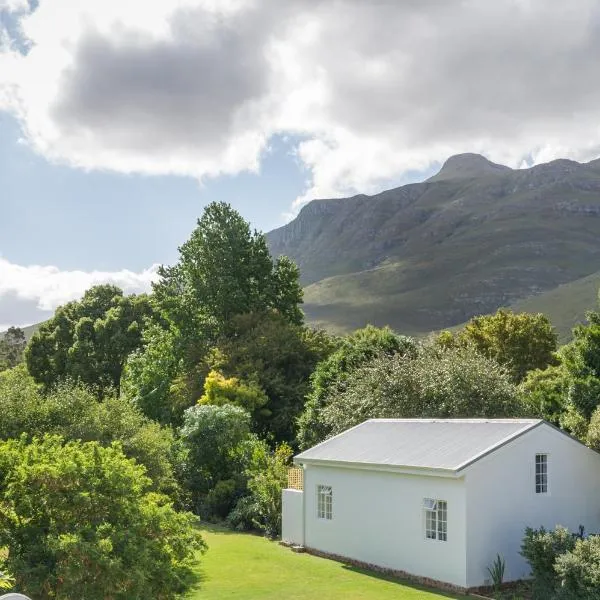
{"x": 400, "y": 581}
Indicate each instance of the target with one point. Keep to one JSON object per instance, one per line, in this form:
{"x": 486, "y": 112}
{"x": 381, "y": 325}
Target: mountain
{"x": 430, "y": 255}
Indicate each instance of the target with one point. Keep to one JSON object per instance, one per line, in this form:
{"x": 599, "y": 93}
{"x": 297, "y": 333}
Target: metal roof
{"x": 444, "y": 444}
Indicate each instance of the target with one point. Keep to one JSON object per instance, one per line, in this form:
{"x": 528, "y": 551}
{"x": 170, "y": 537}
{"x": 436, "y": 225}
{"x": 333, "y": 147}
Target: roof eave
{"x": 365, "y": 466}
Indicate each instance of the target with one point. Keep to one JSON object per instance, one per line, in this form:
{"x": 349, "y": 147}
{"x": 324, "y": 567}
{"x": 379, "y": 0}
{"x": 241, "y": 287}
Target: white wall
{"x": 378, "y": 518}
{"x": 292, "y": 525}
{"x": 501, "y": 498}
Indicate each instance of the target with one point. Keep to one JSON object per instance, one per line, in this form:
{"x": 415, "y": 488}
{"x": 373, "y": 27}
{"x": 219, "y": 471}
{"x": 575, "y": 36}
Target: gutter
{"x": 365, "y": 466}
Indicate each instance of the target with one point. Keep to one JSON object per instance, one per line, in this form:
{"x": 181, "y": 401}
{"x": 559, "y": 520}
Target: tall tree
{"x": 521, "y": 342}
{"x": 89, "y": 340}
{"x": 225, "y": 270}
{"x": 12, "y": 346}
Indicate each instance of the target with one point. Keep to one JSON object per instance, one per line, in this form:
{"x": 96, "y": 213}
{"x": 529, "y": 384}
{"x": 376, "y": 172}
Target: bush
{"x": 220, "y": 501}
{"x": 541, "y": 548}
{"x": 212, "y": 436}
{"x": 79, "y": 521}
{"x": 73, "y": 411}
{"x": 579, "y": 571}
{"x": 267, "y": 476}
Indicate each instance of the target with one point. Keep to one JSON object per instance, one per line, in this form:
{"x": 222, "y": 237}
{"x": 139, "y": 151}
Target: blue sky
{"x": 121, "y": 119}
{"x": 59, "y": 215}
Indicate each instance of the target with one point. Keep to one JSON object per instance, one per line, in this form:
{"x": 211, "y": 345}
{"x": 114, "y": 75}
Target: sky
{"x": 121, "y": 119}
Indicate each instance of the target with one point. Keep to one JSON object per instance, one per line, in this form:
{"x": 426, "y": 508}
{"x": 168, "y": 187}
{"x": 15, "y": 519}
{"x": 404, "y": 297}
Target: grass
{"x": 240, "y": 566}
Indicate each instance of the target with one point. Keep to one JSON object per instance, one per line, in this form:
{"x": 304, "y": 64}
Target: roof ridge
{"x": 473, "y": 420}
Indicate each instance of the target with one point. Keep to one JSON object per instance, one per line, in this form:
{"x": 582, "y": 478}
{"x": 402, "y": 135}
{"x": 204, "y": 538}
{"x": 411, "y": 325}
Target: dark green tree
{"x": 78, "y": 521}
{"x": 89, "y": 340}
{"x": 12, "y": 346}
{"x": 333, "y": 374}
{"x": 277, "y": 356}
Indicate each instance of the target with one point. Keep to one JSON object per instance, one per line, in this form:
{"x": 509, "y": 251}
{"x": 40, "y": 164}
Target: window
{"x": 541, "y": 473}
{"x": 324, "y": 502}
{"x": 436, "y": 519}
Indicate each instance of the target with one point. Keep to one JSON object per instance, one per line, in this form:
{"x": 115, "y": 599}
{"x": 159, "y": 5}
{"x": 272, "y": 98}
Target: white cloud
{"x": 14, "y": 5}
{"x": 374, "y": 89}
{"x": 47, "y": 287}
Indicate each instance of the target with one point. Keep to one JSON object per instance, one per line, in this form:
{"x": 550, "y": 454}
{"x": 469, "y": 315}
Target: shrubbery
{"x": 563, "y": 566}
{"x": 79, "y": 520}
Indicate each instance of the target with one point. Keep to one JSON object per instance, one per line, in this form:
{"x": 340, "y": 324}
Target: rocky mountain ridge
{"x": 429, "y": 255}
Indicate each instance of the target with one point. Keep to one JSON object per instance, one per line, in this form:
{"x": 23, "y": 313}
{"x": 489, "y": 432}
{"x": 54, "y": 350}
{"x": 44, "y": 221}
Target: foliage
{"x": 212, "y": 436}
{"x": 78, "y": 521}
{"x": 443, "y": 383}
{"x": 280, "y": 357}
{"x": 593, "y": 431}
{"x": 581, "y": 360}
{"x": 545, "y": 392}
{"x": 89, "y": 340}
{"x": 12, "y": 346}
{"x": 149, "y": 375}
{"x": 267, "y": 477}
{"x": 225, "y": 270}
{"x": 541, "y": 548}
{"x": 332, "y": 375}
{"x": 74, "y": 412}
{"x": 519, "y": 341}
{"x": 496, "y": 572}
{"x": 219, "y": 390}
{"x": 579, "y": 570}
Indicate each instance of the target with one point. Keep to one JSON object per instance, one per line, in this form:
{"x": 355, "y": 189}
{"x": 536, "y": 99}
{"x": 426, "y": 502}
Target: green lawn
{"x": 240, "y": 566}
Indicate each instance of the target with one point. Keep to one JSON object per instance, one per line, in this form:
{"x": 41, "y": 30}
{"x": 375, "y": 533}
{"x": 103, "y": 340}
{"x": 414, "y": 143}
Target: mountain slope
{"x": 430, "y": 255}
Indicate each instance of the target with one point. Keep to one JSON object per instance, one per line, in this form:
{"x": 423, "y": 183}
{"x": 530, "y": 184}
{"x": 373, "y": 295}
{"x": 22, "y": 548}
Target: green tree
{"x": 75, "y": 413}
{"x": 279, "y": 357}
{"x": 225, "y": 270}
{"x": 333, "y": 374}
{"x": 581, "y": 360}
{"x": 545, "y": 392}
{"x": 519, "y": 341}
{"x": 78, "y": 521}
{"x": 12, "y": 346}
{"x": 89, "y": 340}
{"x": 212, "y": 436}
{"x": 437, "y": 383}
{"x": 151, "y": 375}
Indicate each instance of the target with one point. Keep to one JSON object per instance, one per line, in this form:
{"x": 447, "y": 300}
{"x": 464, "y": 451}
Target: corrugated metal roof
{"x": 448, "y": 444}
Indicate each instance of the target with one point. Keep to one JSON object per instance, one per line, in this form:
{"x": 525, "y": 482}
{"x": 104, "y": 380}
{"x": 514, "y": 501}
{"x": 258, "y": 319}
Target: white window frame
{"x": 435, "y": 519}
{"x": 324, "y": 502}
{"x": 541, "y": 473}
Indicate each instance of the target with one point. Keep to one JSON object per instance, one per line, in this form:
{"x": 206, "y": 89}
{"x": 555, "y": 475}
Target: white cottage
{"x": 439, "y": 499}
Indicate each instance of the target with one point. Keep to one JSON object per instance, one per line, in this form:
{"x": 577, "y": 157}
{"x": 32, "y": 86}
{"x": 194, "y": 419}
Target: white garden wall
{"x": 378, "y": 518}
{"x": 501, "y": 498}
{"x": 292, "y": 519}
